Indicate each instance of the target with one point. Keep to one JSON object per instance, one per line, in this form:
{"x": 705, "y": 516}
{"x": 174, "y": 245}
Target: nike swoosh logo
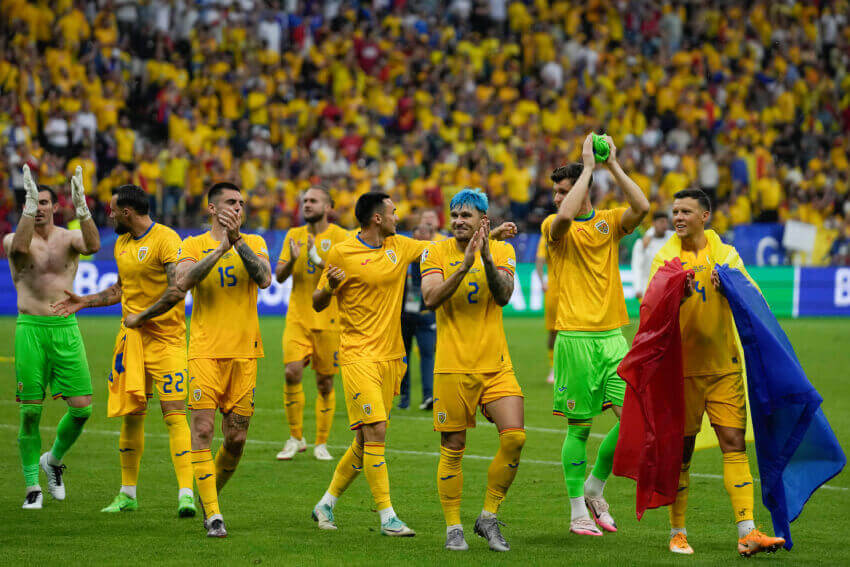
{"x": 206, "y": 476}
{"x": 124, "y": 450}
{"x": 448, "y": 477}
{"x": 562, "y": 388}
{"x": 180, "y": 454}
{"x": 379, "y": 464}
{"x": 578, "y": 463}
{"x": 742, "y": 485}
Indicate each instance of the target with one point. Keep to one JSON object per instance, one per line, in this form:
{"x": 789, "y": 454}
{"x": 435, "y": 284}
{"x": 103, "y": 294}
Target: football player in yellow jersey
{"x": 146, "y": 253}
{"x": 467, "y": 281}
{"x": 713, "y": 375}
{"x": 224, "y": 269}
{"x": 366, "y": 273}
{"x": 309, "y": 337}
{"x": 583, "y": 246}
{"x": 550, "y": 289}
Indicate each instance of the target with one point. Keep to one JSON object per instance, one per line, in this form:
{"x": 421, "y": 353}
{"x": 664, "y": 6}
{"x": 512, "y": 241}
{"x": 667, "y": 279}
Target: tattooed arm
{"x": 73, "y": 303}
{"x": 258, "y": 268}
{"x": 171, "y": 297}
{"x": 501, "y": 282}
{"x": 190, "y": 273}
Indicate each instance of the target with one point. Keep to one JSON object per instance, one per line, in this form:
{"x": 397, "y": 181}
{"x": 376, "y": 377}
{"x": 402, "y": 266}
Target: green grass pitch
{"x": 267, "y": 504}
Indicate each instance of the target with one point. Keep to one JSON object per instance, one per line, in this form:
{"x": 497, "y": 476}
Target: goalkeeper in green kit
{"x": 49, "y": 350}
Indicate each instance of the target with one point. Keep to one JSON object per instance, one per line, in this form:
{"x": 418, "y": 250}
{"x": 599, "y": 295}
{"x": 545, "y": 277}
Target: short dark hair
{"x": 660, "y": 215}
{"x": 324, "y": 190}
{"x": 571, "y": 171}
{"x": 217, "y": 189}
{"x": 53, "y": 198}
{"x": 132, "y": 196}
{"x": 367, "y": 205}
{"x": 697, "y": 194}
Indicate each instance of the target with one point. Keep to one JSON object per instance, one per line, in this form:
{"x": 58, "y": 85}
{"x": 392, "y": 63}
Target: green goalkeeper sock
{"x": 29, "y": 442}
{"x": 69, "y": 429}
{"x": 605, "y": 457}
{"x": 574, "y": 456}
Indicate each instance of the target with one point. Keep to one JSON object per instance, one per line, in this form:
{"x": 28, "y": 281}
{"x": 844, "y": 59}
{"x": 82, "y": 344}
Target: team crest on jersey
{"x": 326, "y": 244}
{"x": 424, "y": 255}
{"x": 511, "y": 262}
{"x": 441, "y": 416}
{"x": 197, "y": 394}
{"x": 571, "y": 405}
{"x": 602, "y": 226}
{"x": 367, "y": 409}
{"x": 143, "y": 251}
{"x": 391, "y": 255}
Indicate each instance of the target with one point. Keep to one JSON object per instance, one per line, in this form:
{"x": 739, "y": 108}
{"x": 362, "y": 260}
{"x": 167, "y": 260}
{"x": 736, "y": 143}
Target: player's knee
{"x": 375, "y": 432}
{"x": 202, "y": 431}
{"x": 235, "y": 442}
{"x": 30, "y": 416}
{"x": 324, "y": 384}
{"x": 80, "y": 415}
{"x": 455, "y": 441}
{"x": 579, "y": 430}
{"x": 293, "y": 375}
{"x": 512, "y": 440}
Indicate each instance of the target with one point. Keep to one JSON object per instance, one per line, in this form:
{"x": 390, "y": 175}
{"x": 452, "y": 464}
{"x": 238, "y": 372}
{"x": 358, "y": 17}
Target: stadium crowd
{"x": 749, "y": 101}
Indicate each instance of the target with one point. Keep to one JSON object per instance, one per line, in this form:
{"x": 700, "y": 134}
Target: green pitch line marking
{"x": 399, "y": 451}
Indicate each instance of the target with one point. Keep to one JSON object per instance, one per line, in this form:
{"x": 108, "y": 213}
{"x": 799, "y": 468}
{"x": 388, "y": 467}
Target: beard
{"x": 121, "y": 229}
{"x": 315, "y": 217}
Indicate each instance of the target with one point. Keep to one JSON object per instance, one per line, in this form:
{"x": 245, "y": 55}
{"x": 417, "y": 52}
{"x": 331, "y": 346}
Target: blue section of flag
{"x": 797, "y": 449}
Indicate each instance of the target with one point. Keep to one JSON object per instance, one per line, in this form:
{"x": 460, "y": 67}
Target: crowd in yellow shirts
{"x": 423, "y": 98}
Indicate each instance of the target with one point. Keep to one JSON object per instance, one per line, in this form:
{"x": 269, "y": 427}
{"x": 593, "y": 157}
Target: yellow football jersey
{"x": 708, "y": 331}
{"x": 224, "y": 304}
{"x": 470, "y": 334}
{"x": 586, "y": 264}
{"x": 141, "y": 267}
{"x": 370, "y": 296}
{"x": 543, "y": 252}
{"x": 305, "y": 278}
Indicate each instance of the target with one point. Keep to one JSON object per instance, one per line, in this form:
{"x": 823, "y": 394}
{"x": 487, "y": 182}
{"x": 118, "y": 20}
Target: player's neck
{"x": 217, "y": 231}
{"x": 372, "y": 236}
{"x": 695, "y": 242}
{"x": 43, "y": 231}
{"x": 462, "y": 244}
{"x": 585, "y": 210}
{"x": 140, "y": 225}
{"x": 318, "y": 227}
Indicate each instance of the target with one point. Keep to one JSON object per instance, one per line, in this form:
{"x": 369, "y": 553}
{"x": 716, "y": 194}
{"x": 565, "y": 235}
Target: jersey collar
{"x": 145, "y": 233}
{"x": 587, "y": 218}
{"x": 366, "y": 245}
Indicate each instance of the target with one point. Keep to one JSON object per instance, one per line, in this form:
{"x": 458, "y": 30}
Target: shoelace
{"x": 493, "y": 530}
{"x": 32, "y": 496}
{"x": 57, "y": 473}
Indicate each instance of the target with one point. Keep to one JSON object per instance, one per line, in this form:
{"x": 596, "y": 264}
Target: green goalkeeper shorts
{"x": 586, "y": 380}
{"x": 49, "y": 353}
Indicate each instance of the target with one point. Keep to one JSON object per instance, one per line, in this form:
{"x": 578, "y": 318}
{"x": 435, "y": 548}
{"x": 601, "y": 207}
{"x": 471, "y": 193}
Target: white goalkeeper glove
{"x": 31, "y": 204}
{"x": 78, "y": 195}
{"x": 313, "y": 254}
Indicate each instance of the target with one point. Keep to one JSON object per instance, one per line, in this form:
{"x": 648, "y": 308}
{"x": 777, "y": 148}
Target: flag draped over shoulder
{"x": 649, "y": 449}
{"x": 797, "y": 450}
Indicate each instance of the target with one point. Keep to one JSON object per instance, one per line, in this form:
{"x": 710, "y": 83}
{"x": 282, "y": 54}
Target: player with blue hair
{"x": 467, "y": 280}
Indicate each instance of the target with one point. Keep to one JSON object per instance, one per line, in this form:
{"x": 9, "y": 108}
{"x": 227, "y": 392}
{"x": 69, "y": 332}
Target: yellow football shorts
{"x": 317, "y": 347}
{"x": 223, "y": 383}
{"x": 370, "y": 388}
{"x": 457, "y": 396}
{"x": 550, "y": 308}
{"x": 165, "y": 367}
{"x": 722, "y": 397}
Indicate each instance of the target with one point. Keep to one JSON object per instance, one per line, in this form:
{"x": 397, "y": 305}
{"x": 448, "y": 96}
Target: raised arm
{"x": 638, "y": 203}
{"x": 87, "y": 242}
{"x": 190, "y": 272}
{"x": 21, "y": 240}
{"x": 285, "y": 266}
{"x": 501, "y": 282}
{"x": 436, "y": 289}
{"x": 331, "y": 279}
{"x": 169, "y": 298}
{"x": 571, "y": 204}
{"x": 73, "y": 303}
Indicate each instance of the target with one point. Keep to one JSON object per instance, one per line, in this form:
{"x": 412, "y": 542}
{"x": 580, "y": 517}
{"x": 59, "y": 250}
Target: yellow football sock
{"x": 504, "y": 467}
{"x": 180, "y": 444}
{"x": 347, "y": 469}
{"x": 225, "y": 466}
{"x": 739, "y": 484}
{"x": 551, "y": 357}
{"x": 131, "y": 445}
{"x": 376, "y": 474}
{"x": 325, "y": 406}
{"x": 680, "y": 505}
{"x": 293, "y": 402}
{"x": 204, "y": 469}
{"x": 450, "y": 483}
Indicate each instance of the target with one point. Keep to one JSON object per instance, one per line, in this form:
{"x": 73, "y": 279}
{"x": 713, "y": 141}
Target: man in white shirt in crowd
{"x": 646, "y": 248}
